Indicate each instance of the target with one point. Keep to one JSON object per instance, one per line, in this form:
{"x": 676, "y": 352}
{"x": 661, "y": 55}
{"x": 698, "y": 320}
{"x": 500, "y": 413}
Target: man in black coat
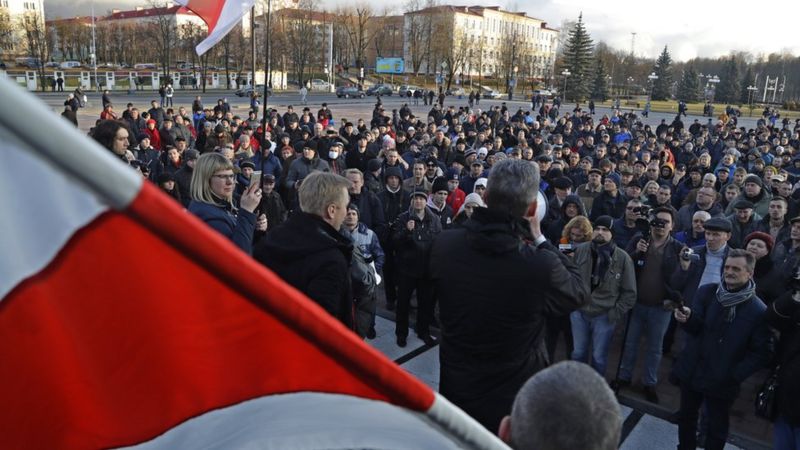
{"x": 412, "y": 235}
{"x": 495, "y": 291}
{"x": 394, "y": 201}
{"x": 369, "y": 206}
{"x": 308, "y": 252}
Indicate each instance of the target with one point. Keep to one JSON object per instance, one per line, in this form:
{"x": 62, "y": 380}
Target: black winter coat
{"x": 719, "y": 356}
{"x": 413, "y": 248}
{"x": 312, "y": 256}
{"x": 784, "y": 316}
{"x": 493, "y": 324}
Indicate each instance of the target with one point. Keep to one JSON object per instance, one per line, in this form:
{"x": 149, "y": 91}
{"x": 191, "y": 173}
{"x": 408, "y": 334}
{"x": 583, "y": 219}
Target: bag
{"x": 766, "y": 406}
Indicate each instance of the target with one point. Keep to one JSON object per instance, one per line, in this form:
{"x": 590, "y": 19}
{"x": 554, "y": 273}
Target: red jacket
{"x": 455, "y": 199}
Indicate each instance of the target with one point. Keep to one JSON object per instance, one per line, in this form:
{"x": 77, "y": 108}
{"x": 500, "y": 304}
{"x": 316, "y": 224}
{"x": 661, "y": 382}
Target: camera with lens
{"x": 645, "y": 223}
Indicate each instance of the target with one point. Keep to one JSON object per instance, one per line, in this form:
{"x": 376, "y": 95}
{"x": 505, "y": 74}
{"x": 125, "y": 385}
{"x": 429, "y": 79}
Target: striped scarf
{"x": 728, "y": 300}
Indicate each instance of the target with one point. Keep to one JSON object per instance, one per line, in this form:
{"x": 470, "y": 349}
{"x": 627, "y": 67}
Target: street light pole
{"x": 713, "y": 79}
{"x": 652, "y": 77}
{"x": 566, "y": 74}
{"x": 751, "y": 91}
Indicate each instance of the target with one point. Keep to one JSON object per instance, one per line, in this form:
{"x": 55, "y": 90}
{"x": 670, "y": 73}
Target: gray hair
{"x": 320, "y": 190}
{"x": 512, "y": 186}
{"x": 567, "y": 405}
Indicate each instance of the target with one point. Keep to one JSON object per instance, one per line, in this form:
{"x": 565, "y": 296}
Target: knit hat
{"x": 375, "y": 164}
{"x": 762, "y": 237}
{"x": 390, "y": 171}
{"x": 613, "y": 176}
{"x": 439, "y": 184}
{"x": 753, "y": 178}
{"x": 482, "y": 181}
{"x": 453, "y": 174}
{"x": 604, "y": 221}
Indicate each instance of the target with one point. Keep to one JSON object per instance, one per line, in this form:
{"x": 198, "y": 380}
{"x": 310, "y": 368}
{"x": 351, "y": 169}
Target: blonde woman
{"x": 213, "y": 183}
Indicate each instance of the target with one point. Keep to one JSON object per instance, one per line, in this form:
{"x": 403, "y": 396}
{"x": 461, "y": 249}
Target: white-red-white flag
{"x": 126, "y": 321}
{"x": 220, "y": 17}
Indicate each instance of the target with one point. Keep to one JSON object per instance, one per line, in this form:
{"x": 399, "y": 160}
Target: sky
{"x": 690, "y": 28}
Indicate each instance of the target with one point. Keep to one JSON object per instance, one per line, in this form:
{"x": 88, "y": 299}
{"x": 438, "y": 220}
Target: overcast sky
{"x": 690, "y": 28}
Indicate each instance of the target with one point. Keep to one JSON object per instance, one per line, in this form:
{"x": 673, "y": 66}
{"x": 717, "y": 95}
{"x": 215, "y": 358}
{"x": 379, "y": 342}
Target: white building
{"x": 16, "y": 9}
{"x": 492, "y": 35}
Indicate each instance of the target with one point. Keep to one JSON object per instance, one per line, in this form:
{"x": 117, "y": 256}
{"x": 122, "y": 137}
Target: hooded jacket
{"x": 312, "y": 256}
{"x": 554, "y": 230}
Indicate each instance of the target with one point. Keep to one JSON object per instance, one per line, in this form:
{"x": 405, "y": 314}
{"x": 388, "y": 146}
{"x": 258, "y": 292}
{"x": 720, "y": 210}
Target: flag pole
{"x": 268, "y": 74}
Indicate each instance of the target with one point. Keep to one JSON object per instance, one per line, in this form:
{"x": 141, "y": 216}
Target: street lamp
{"x": 751, "y": 90}
{"x": 566, "y": 74}
{"x": 512, "y": 84}
{"x": 630, "y": 81}
{"x": 652, "y": 77}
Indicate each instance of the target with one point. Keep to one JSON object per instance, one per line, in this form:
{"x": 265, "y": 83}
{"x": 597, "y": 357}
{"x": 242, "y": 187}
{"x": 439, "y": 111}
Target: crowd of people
{"x": 678, "y": 233}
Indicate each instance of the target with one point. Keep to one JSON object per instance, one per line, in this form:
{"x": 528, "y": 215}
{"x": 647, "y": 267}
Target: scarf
{"x": 729, "y": 299}
{"x": 602, "y": 260}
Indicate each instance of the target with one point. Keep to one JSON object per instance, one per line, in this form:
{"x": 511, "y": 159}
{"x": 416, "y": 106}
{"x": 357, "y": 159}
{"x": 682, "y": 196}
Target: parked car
{"x": 543, "y": 92}
{"x": 53, "y": 65}
{"x": 144, "y": 66}
{"x": 455, "y": 91}
{"x": 319, "y": 85}
{"x": 70, "y": 65}
{"x": 350, "y": 92}
{"x": 31, "y": 63}
{"x": 405, "y": 89}
{"x": 487, "y": 92}
{"x": 247, "y": 90}
{"x": 380, "y": 89}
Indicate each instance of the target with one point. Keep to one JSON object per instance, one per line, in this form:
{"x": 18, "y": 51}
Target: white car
{"x": 490, "y": 93}
{"x": 320, "y": 85}
{"x": 70, "y": 64}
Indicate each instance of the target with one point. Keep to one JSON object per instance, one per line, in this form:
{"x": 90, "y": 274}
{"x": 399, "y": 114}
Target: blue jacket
{"x": 269, "y": 164}
{"x": 718, "y": 355}
{"x": 237, "y": 226}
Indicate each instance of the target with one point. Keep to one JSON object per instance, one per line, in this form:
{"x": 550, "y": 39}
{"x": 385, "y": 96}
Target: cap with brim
{"x": 247, "y": 164}
{"x": 743, "y": 204}
{"x": 796, "y": 219}
{"x": 596, "y": 170}
{"x": 269, "y": 178}
{"x": 717, "y": 224}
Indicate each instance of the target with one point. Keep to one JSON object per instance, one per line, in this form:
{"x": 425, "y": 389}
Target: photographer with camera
{"x": 727, "y": 342}
{"x": 655, "y": 254}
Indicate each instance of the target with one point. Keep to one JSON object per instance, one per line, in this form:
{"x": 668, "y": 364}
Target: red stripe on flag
{"x": 130, "y": 332}
{"x": 208, "y": 10}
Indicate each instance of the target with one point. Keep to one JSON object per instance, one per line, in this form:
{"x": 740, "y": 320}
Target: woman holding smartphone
{"x": 213, "y": 184}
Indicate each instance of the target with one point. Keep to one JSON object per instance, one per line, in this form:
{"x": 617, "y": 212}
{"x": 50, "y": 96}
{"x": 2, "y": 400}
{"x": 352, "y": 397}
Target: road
{"x": 352, "y": 109}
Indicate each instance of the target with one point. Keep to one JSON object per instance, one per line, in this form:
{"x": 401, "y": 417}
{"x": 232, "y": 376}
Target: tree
{"x": 6, "y": 30}
{"x": 36, "y": 41}
{"x": 663, "y": 69}
{"x": 163, "y": 34}
{"x": 747, "y": 80}
{"x": 600, "y": 83}
{"x": 302, "y": 37}
{"x": 728, "y": 86}
{"x": 355, "y": 24}
{"x": 418, "y": 26}
{"x": 689, "y": 85}
{"x": 578, "y": 60}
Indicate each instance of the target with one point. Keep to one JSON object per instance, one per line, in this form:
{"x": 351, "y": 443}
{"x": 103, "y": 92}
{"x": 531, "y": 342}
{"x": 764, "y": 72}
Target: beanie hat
{"x": 613, "y": 176}
{"x": 762, "y": 237}
{"x": 354, "y": 207}
{"x": 375, "y": 164}
{"x": 753, "y": 178}
{"x": 453, "y": 174}
{"x": 166, "y": 176}
{"x": 439, "y": 184}
{"x": 604, "y": 221}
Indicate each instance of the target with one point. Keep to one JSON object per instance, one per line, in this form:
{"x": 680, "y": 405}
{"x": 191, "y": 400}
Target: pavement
{"x": 351, "y": 109}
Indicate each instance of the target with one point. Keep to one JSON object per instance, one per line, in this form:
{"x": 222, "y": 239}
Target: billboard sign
{"x": 390, "y": 65}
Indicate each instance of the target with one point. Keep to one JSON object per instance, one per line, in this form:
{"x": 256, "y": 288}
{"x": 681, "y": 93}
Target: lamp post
{"x": 512, "y": 84}
{"x": 751, "y": 90}
{"x": 628, "y": 90}
{"x": 652, "y": 77}
{"x": 566, "y": 74}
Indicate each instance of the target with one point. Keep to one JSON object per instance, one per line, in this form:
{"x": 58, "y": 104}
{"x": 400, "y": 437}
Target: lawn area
{"x": 693, "y": 108}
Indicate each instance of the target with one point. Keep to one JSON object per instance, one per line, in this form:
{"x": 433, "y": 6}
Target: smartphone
{"x": 256, "y": 176}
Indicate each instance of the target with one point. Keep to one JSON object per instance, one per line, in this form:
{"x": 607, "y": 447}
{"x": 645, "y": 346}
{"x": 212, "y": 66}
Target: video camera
{"x": 645, "y": 223}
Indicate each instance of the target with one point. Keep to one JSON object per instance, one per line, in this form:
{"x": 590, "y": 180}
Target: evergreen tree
{"x": 663, "y": 69}
{"x": 748, "y": 80}
{"x": 689, "y": 85}
{"x": 600, "y": 84}
{"x": 728, "y": 86}
{"x": 578, "y": 60}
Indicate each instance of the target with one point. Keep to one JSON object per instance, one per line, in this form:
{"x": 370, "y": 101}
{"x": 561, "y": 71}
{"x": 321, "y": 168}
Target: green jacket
{"x": 616, "y": 294}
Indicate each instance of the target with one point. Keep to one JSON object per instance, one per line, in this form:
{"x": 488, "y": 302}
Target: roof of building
{"x": 476, "y": 10}
{"x": 148, "y": 12}
{"x": 85, "y": 20}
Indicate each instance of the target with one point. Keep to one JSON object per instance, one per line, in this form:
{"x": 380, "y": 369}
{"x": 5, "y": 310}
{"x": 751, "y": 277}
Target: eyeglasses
{"x": 225, "y": 177}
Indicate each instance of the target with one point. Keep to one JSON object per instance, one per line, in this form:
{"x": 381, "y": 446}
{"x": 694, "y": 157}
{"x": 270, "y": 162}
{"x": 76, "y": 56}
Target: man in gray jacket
{"x": 608, "y": 273}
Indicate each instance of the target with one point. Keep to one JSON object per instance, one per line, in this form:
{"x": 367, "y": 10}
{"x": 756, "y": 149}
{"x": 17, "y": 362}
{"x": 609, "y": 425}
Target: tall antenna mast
{"x": 633, "y": 44}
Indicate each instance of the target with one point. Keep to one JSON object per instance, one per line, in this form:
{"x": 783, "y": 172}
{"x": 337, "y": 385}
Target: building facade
{"x": 12, "y": 35}
{"x": 488, "y": 42}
